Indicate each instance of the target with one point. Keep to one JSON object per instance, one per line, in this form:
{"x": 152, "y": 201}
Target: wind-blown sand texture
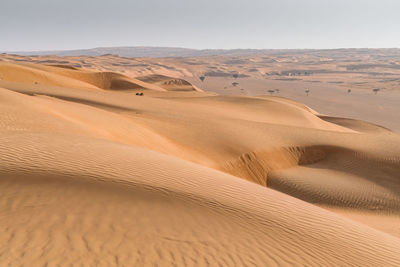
{"x": 94, "y": 174}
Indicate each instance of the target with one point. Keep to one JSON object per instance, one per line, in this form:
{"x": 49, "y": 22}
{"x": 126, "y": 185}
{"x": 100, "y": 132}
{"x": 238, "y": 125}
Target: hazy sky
{"x": 72, "y": 24}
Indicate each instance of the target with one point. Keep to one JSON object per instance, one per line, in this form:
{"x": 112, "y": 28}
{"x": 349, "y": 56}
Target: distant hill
{"x": 164, "y": 52}
{"x": 142, "y": 51}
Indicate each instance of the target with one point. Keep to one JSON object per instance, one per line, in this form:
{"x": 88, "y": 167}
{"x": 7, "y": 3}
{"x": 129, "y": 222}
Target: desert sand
{"x": 94, "y": 174}
{"x": 328, "y": 74}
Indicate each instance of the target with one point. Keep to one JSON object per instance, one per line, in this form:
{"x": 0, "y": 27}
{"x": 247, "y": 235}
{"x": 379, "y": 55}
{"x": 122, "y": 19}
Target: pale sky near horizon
{"x": 27, "y": 25}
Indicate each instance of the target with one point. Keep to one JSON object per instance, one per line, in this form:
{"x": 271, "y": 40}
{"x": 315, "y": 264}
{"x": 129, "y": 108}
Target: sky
{"x": 31, "y": 25}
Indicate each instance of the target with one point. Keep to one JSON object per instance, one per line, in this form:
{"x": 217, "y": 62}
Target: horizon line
{"x": 187, "y": 48}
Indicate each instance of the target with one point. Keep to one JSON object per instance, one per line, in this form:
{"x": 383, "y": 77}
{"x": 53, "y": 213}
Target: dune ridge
{"x": 69, "y": 76}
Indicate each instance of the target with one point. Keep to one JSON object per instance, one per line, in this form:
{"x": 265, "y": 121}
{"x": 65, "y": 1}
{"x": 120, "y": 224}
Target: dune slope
{"x": 84, "y": 198}
{"x": 69, "y": 77}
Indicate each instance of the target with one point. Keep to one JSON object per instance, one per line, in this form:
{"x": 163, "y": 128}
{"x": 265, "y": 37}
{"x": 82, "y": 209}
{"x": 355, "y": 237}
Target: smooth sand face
{"x": 93, "y": 174}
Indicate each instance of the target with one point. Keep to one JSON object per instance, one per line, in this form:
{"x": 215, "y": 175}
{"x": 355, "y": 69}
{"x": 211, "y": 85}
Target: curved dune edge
{"x": 151, "y": 208}
{"x": 169, "y": 83}
{"x": 357, "y": 125}
{"x": 69, "y": 76}
{"x": 256, "y": 166}
{"x": 172, "y": 131}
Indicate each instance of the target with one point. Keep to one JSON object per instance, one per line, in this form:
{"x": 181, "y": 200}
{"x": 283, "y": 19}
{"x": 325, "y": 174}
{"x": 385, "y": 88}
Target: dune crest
{"x": 69, "y": 76}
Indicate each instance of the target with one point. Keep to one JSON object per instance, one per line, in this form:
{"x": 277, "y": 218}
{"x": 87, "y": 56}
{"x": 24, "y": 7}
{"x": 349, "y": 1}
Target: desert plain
{"x": 269, "y": 158}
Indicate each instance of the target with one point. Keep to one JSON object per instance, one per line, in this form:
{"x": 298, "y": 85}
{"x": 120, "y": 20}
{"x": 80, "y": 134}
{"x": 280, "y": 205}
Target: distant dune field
{"x": 136, "y": 166}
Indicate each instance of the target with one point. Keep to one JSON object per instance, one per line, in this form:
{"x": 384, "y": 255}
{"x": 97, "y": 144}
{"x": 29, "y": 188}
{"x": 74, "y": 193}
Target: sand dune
{"x": 69, "y": 77}
{"x": 328, "y": 74}
{"x": 93, "y": 174}
{"x": 169, "y": 83}
{"x": 136, "y": 206}
{"x": 345, "y": 179}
